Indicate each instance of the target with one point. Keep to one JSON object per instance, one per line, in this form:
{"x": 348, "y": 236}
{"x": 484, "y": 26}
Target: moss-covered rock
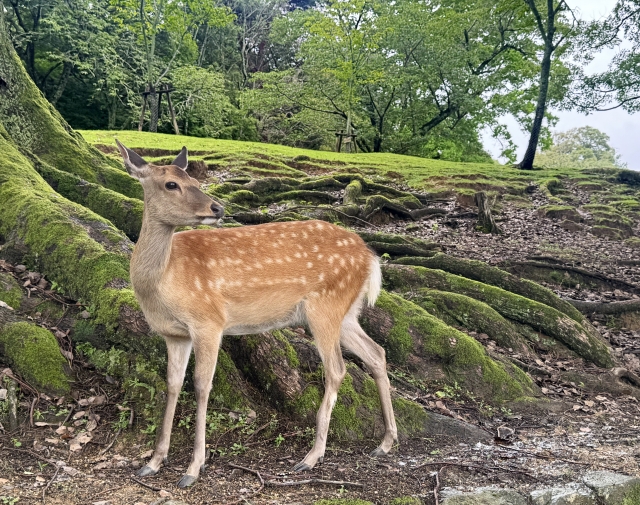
{"x": 560, "y": 212}
{"x": 546, "y": 319}
{"x": 10, "y": 290}
{"x": 34, "y": 354}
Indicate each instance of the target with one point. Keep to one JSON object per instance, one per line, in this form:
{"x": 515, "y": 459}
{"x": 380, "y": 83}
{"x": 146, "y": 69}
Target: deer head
{"x": 171, "y": 196}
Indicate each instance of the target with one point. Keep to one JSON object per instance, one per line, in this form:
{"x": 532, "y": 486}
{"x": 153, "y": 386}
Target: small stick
{"x": 37, "y": 456}
{"x": 314, "y": 481}
{"x": 49, "y": 483}
{"x": 103, "y": 451}
{"x": 469, "y": 465}
{"x": 436, "y": 489}
{"x": 254, "y": 493}
{"x": 148, "y": 486}
{"x": 33, "y": 404}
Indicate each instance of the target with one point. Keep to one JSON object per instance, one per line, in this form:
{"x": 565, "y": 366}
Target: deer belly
{"x": 260, "y": 321}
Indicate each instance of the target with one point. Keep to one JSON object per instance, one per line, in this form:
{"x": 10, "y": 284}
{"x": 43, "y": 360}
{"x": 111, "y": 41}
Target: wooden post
{"x": 172, "y": 112}
{"x": 486, "y": 223}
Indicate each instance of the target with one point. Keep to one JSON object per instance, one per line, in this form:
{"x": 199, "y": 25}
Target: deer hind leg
{"x": 327, "y": 337}
{"x": 354, "y": 339}
{"x": 178, "y": 351}
{"x": 206, "y": 344}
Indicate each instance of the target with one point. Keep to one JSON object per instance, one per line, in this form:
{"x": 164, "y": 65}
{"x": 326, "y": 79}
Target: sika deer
{"x": 197, "y": 285}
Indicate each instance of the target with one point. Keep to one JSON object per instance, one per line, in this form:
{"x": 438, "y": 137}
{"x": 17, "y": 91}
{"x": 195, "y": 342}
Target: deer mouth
{"x": 209, "y": 220}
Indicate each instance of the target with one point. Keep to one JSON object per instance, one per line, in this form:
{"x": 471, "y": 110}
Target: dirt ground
{"x": 555, "y": 441}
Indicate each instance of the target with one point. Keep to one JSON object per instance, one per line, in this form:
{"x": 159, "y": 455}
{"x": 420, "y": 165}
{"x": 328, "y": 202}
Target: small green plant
{"x": 434, "y": 227}
{"x": 279, "y": 439}
{"x": 16, "y": 442}
{"x": 9, "y": 500}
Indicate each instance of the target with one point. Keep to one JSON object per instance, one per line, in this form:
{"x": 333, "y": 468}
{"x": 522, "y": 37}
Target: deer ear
{"x": 181, "y": 160}
{"x": 134, "y": 163}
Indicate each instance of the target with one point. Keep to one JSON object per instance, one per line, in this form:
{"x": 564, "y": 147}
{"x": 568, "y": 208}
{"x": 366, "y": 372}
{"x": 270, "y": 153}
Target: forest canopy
{"x": 408, "y": 77}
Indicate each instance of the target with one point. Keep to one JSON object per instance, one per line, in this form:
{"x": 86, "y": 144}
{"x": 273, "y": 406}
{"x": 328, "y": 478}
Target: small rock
{"x": 3, "y": 394}
{"x": 164, "y": 494}
{"x": 611, "y": 488}
{"x": 85, "y": 314}
{"x": 486, "y": 496}
{"x": 103, "y": 502}
{"x": 571, "y": 494}
{"x": 20, "y": 268}
{"x": 505, "y": 433}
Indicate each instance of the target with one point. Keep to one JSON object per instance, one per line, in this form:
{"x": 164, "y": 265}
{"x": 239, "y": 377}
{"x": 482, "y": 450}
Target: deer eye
{"x": 171, "y": 185}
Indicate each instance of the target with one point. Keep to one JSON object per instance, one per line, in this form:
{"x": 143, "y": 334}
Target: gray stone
{"x": 571, "y": 494}
{"x": 611, "y": 488}
{"x": 485, "y": 496}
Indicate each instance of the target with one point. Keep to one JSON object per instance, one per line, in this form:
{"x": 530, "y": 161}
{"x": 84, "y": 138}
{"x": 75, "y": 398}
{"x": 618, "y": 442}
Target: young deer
{"x": 197, "y": 285}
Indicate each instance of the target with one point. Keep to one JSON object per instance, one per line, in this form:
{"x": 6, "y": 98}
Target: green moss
{"x": 633, "y": 496}
{"x": 406, "y": 500}
{"x": 464, "y": 359}
{"x": 242, "y": 196}
{"x": 288, "y": 351}
{"x": 583, "y": 340}
{"x": 633, "y": 242}
{"x": 410, "y": 417}
{"x": 480, "y": 271}
{"x": 10, "y": 290}
{"x": 224, "y": 391}
{"x": 35, "y": 354}
{"x": 308, "y": 402}
{"x": 472, "y": 314}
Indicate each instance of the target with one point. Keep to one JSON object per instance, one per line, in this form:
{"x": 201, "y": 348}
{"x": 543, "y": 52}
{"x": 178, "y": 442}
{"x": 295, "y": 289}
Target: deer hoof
{"x": 186, "y": 481}
{"x": 378, "y": 453}
{"x": 301, "y": 467}
{"x": 145, "y": 471}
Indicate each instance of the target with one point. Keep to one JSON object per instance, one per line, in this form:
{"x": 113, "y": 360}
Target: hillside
{"x": 475, "y": 348}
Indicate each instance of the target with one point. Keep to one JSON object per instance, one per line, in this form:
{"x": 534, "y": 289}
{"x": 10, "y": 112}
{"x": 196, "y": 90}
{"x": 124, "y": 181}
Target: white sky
{"x": 622, "y": 127}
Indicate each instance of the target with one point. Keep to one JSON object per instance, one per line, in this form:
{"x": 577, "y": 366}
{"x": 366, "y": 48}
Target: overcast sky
{"x": 622, "y": 127}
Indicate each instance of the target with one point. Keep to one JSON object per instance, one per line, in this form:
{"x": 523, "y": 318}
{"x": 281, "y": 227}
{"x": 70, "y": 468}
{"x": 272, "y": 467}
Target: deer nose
{"x": 217, "y": 209}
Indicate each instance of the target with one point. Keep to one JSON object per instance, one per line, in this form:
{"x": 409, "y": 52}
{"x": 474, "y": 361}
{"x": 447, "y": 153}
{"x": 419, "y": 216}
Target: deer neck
{"x": 151, "y": 255}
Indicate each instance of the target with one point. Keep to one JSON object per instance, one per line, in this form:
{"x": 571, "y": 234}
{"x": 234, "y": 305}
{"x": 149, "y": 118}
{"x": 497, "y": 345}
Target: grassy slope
{"x": 269, "y": 159}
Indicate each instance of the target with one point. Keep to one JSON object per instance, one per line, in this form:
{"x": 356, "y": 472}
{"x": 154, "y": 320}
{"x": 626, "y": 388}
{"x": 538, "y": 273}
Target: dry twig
{"x": 44, "y": 491}
{"x": 144, "y": 484}
{"x": 254, "y": 493}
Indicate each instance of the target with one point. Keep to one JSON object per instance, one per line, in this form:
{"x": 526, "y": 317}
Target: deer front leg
{"x": 206, "y": 345}
{"x": 178, "y": 351}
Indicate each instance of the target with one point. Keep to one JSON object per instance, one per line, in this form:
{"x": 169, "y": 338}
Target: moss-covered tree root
{"x": 539, "y": 316}
{"x": 455, "y": 309}
{"x": 480, "y": 271}
{"x": 439, "y": 351}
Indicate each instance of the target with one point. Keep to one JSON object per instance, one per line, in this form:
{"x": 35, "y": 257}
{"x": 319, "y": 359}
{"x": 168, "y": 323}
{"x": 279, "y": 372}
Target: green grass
{"x": 276, "y": 160}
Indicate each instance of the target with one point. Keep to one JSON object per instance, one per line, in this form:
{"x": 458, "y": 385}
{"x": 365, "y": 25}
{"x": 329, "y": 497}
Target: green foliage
{"x": 584, "y": 147}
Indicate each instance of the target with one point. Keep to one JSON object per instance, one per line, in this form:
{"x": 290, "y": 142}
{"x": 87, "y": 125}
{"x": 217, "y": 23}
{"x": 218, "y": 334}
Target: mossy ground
{"x": 266, "y": 159}
{"x": 35, "y": 355}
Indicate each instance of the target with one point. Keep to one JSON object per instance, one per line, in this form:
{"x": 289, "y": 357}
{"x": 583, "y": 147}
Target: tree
{"x": 619, "y": 85}
{"x": 584, "y": 147}
{"x": 175, "y": 24}
{"x": 555, "y": 30}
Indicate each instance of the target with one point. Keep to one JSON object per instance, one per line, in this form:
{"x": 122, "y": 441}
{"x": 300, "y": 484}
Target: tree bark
{"x": 486, "y": 223}
{"x": 547, "y": 33}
